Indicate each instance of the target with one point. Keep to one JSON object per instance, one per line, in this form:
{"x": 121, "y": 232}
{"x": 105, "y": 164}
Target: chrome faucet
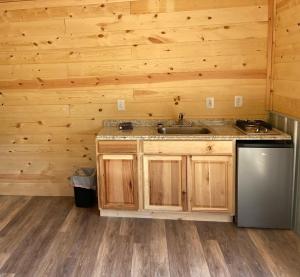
{"x": 180, "y": 119}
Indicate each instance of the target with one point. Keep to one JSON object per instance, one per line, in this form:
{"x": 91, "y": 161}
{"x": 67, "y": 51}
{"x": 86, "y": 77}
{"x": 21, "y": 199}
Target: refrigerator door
{"x": 264, "y": 187}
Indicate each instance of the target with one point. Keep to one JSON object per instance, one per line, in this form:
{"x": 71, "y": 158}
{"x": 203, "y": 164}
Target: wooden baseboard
{"x": 35, "y": 189}
{"x": 195, "y": 216}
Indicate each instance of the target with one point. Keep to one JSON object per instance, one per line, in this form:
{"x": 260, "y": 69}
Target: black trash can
{"x": 84, "y": 183}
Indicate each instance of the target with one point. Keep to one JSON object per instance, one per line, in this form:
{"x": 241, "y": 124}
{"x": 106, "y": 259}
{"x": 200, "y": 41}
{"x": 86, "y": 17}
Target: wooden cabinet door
{"x": 165, "y": 182}
{"x": 118, "y": 185}
{"x": 210, "y": 183}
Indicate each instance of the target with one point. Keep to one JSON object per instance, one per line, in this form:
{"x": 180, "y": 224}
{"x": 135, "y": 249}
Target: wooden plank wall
{"x": 64, "y": 63}
{"x": 286, "y": 63}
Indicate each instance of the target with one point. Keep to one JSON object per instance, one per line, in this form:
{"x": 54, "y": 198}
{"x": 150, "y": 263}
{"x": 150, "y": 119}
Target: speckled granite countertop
{"x": 146, "y": 130}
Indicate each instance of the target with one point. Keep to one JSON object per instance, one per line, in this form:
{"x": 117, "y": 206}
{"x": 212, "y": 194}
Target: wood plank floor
{"x": 48, "y": 236}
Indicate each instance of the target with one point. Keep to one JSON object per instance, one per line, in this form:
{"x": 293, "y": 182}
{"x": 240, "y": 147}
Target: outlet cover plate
{"x": 238, "y": 101}
{"x": 210, "y": 102}
{"x": 121, "y": 105}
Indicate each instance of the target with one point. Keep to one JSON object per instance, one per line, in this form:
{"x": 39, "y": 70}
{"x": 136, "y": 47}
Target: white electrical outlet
{"x": 238, "y": 101}
{"x": 210, "y": 102}
{"x": 121, "y": 105}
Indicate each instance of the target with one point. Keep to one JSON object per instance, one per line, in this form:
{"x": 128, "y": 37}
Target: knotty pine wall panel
{"x": 63, "y": 65}
{"x": 286, "y": 63}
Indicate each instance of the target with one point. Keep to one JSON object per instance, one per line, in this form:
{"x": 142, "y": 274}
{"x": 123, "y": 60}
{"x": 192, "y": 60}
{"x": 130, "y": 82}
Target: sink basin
{"x": 183, "y": 130}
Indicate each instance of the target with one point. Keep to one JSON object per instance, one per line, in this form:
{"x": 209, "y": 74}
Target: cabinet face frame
{"x": 116, "y": 147}
{"x": 227, "y": 160}
{"x": 102, "y": 193}
{"x": 218, "y": 148}
{"x": 146, "y": 183}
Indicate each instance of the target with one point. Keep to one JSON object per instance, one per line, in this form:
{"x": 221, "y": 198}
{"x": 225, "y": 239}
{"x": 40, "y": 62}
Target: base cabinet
{"x": 164, "y": 182}
{"x": 166, "y": 179}
{"x": 118, "y": 189}
{"x": 188, "y": 183}
{"x": 210, "y": 183}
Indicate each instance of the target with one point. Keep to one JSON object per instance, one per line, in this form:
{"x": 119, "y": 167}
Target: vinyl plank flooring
{"x": 5, "y": 200}
{"x": 9, "y": 207}
{"x": 226, "y": 236}
{"x": 49, "y": 236}
{"x": 87, "y": 255}
{"x": 186, "y": 256}
{"x": 141, "y": 264}
{"x": 108, "y": 250}
{"x": 249, "y": 254}
{"x": 80, "y": 254}
{"x": 58, "y": 256}
{"x": 195, "y": 253}
{"x": 240, "y": 254}
{"x": 159, "y": 257}
{"x": 285, "y": 258}
{"x": 126, "y": 243}
{"x": 22, "y": 224}
{"x": 178, "y": 260}
{"x": 262, "y": 249}
{"x": 123, "y": 259}
{"x": 116, "y": 250}
{"x": 142, "y": 231}
{"x": 34, "y": 246}
{"x": 293, "y": 240}
{"x": 7, "y": 212}
{"x": 70, "y": 259}
{"x": 215, "y": 259}
{"x": 3, "y": 258}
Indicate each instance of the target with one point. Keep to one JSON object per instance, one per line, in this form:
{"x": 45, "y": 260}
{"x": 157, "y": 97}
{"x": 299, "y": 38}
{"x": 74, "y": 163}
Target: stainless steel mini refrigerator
{"x": 264, "y": 184}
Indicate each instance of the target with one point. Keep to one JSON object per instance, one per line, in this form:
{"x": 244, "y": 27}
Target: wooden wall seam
{"x": 270, "y": 53}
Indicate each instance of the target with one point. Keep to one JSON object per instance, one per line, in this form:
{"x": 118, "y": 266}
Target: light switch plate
{"x": 238, "y": 101}
{"x": 210, "y": 102}
{"x": 121, "y": 105}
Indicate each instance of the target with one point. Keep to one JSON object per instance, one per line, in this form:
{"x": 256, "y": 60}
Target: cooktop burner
{"x": 255, "y": 127}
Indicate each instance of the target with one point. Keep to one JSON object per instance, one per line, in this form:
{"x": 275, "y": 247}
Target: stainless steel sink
{"x": 178, "y": 130}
